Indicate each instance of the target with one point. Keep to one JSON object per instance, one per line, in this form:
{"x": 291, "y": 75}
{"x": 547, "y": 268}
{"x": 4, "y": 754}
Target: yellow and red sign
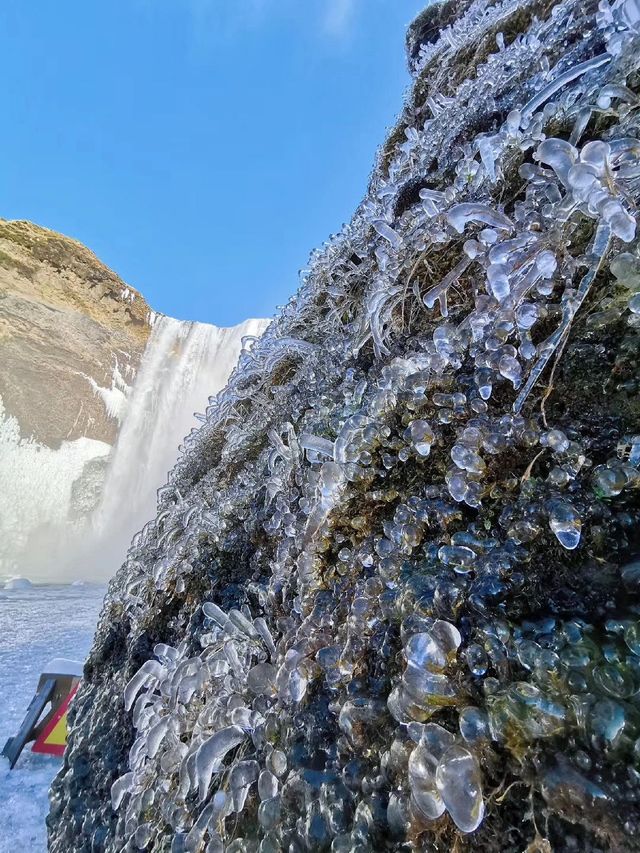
{"x": 53, "y": 738}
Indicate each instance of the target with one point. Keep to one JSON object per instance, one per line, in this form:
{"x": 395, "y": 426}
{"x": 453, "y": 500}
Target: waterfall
{"x": 36, "y": 491}
{"x": 183, "y": 364}
{"x": 42, "y": 533}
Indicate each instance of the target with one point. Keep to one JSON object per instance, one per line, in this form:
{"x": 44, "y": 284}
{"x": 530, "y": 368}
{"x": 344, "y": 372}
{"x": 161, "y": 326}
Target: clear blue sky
{"x": 201, "y": 148}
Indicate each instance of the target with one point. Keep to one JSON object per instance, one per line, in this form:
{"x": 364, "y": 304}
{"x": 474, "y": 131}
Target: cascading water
{"x": 43, "y": 535}
{"x": 36, "y": 490}
{"x": 183, "y": 364}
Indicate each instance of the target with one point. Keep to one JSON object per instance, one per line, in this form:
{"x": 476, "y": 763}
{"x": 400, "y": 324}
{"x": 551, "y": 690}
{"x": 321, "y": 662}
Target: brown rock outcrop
{"x": 65, "y": 319}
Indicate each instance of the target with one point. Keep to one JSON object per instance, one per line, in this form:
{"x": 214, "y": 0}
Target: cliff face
{"x": 96, "y": 394}
{"x": 391, "y": 598}
{"x": 72, "y": 337}
{"x": 66, "y": 320}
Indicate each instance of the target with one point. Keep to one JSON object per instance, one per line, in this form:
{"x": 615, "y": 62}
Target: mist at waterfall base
{"x": 183, "y": 365}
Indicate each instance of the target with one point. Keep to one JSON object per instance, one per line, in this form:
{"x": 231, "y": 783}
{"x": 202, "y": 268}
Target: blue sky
{"x": 201, "y": 148}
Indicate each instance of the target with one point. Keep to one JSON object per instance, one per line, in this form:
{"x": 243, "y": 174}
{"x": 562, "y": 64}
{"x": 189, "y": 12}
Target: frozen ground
{"x": 36, "y": 625}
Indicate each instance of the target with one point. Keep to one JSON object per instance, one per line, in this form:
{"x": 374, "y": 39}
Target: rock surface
{"x": 72, "y": 338}
{"x": 391, "y": 598}
{"x": 65, "y": 319}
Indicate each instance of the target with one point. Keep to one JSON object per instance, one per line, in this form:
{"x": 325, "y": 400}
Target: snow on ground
{"x": 36, "y": 625}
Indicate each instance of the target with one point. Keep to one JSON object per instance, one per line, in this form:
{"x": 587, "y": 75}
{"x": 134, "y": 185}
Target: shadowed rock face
{"x": 391, "y": 597}
{"x": 65, "y": 318}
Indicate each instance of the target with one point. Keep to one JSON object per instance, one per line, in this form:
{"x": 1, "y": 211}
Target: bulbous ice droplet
{"x": 609, "y": 480}
{"x": 477, "y": 659}
{"x": 632, "y": 637}
{"x": 421, "y": 436}
{"x": 242, "y": 776}
{"x": 474, "y": 725}
{"x": 526, "y": 315}
{"x": 458, "y": 556}
{"x": 582, "y": 180}
{"x": 614, "y": 679}
{"x": 565, "y": 523}
{"x": 556, "y": 440}
{"x": 498, "y": 279}
{"x": 267, "y": 785}
{"x": 269, "y": 813}
{"x": 277, "y": 762}
{"x": 446, "y": 635}
{"x": 511, "y": 369}
{"x": 119, "y": 788}
{"x": 607, "y": 720}
{"x": 596, "y": 154}
{"x": 546, "y": 263}
{"x": 459, "y": 784}
{"x": 467, "y": 459}
{"x": 425, "y": 689}
{"x": 622, "y": 223}
{"x": 423, "y": 651}
{"x": 512, "y": 122}
{"x": 558, "y": 154}
{"x": 626, "y": 268}
{"x": 261, "y": 679}
{"x": 422, "y": 767}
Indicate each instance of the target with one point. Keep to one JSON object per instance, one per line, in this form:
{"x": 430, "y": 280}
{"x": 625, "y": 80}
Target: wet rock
{"x": 396, "y": 568}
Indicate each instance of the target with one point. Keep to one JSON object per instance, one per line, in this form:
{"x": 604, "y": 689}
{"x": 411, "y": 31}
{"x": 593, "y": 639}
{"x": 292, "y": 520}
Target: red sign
{"x": 53, "y": 738}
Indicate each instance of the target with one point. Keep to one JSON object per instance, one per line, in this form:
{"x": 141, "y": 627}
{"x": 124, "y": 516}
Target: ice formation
{"x": 115, "y": 396}
{"x": 391, "y": 597}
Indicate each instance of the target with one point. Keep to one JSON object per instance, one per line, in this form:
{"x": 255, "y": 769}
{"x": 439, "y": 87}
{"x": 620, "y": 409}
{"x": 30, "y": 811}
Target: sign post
{"x": 57, "y": 686}
{"x": 53, "y": 737}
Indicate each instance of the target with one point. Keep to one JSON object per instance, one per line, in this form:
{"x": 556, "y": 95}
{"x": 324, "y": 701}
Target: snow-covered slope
{"x": 36, "y": 624}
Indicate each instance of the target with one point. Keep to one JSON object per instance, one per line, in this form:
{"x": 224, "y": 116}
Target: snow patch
{"x": 115, "y": 397}
{"x": 51, "y": 618}
{"x": 63, "y": 666}
{"x": 17, "y": 583}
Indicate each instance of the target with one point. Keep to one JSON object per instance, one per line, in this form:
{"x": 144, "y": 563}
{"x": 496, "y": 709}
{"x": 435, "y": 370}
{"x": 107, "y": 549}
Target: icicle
{"x": 210, "y": 755}
{"x": 439, "y": 291}
{"x": 551, "y": 88}
{"x": 321, "y": 446}
{"x": 599, "y": 249}
{"x": 460, "y": 214}
{"x": 386, "y": 231}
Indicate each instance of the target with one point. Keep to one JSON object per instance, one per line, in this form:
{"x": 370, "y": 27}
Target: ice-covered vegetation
{"x": 390, "y": 598}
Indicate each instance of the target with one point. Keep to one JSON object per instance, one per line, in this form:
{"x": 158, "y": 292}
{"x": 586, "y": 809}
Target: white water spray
{"x": 183, "y": 365}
